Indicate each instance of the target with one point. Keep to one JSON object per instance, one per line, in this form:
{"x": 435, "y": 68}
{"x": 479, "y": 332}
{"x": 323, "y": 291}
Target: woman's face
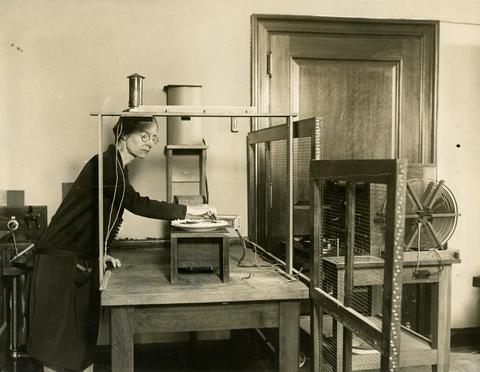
{"x": 140, "y": 143}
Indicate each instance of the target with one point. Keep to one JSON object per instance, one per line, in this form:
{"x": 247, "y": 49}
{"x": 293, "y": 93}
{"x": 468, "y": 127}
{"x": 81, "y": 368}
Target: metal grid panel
{"x": 341, "y": 285}
{"x": 269, "y": 146}
{"x": 365, "y": 298}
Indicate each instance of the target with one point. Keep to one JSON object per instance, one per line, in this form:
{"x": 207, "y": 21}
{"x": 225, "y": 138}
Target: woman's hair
{"x": 128, "y": 124}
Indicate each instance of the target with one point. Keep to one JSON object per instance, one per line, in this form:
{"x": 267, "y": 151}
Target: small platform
{"x": 194, "y": 250}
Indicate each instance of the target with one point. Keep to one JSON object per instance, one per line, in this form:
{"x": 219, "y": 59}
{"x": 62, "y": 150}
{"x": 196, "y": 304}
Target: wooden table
{"x": 141, "y": 299}
{"x": 415, "y": 349}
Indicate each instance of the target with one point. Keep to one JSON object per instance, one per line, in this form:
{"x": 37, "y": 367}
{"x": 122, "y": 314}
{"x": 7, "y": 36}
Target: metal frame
{"x": 292, "y": 129}
{"x": 176, "y": 111}
{"x": 393, "y": 173}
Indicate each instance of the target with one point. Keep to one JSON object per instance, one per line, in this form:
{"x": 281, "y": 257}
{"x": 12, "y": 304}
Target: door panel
{"x": 366, "y": 54}
{"x": 357, "y": 98}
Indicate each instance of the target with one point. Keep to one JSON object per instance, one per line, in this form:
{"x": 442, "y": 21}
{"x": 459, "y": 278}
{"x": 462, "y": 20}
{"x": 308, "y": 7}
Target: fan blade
{"x": 413, "y": 197}
{"x": 413, "y": 237}
{"x": 427, "y": 193}
{"x": 434, "y": 197}
{"x": 434, "y": 233}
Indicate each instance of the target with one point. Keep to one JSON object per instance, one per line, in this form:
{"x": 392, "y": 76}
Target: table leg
{"x": 173, "y": 260}
{"x": 288, "y": 336}
{"x": 225, "y": 260}
{"x": 121, "y": 328}
{"x": 441, "y": 296}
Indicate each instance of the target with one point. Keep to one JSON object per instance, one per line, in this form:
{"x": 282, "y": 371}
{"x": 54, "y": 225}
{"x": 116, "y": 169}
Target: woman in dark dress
{"x": 64, "y": 298}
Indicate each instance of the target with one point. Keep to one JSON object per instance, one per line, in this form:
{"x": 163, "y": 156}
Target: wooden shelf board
{"x": 186, "y": 147}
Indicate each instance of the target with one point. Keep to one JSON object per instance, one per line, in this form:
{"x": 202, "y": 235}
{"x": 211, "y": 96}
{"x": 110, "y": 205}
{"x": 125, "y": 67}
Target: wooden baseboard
{"x": 461, "y": 337}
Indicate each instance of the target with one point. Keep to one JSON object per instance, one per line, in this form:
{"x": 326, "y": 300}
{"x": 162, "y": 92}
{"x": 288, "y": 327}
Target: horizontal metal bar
{"x": 301, "y": 128}
{"x": 196, "y": 109}
{"x": 186, "y": 147}
{"x": 369, "y": 170}
{"x": 186, "y": 181}
{"x": 435, "y": 215}
{"x": 192, "y": 114}
{"x": 275, "y": 133}
{"x": 350, "y": 318}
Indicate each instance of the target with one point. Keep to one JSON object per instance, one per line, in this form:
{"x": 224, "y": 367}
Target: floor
{"x": 465, "y": 360}
{"x": 218, "y": 356}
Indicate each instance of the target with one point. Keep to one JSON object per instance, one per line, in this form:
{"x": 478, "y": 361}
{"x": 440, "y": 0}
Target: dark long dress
{"x": 64, "y": 297}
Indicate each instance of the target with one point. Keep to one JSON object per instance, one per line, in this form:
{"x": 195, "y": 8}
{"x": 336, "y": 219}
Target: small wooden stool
{"x": 199, "y": 249}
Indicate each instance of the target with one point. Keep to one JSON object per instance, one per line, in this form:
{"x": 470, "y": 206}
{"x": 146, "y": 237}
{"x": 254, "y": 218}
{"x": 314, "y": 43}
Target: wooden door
{"x": 372, "y": 81}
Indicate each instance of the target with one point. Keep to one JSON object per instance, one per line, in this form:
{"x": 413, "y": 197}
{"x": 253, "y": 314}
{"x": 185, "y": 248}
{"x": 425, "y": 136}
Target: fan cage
{"x": 431, "y": 214}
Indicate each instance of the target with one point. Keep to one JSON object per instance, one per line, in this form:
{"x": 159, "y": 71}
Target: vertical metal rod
{"x": 349, "y": 267}
{"x": 268, "y": 193}
{"x": 316, "y": 276}
{"x": 203, "y": 168}
{"x": 168, "y": 163}
{"x": 392, "y": 282}
{"x": 100, "y": 198}
{"x": 14, "y": 314}
{"x": 289, "y": 253}
{"x": 316, "y": 237}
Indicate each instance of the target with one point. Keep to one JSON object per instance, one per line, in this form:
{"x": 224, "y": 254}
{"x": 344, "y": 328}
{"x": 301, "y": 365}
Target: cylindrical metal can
{"x": 135, "y": 91}
{"x": 184, "y": 130}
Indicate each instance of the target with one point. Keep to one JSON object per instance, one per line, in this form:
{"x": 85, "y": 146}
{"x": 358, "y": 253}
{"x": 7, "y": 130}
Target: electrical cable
{"x": 121, "y": 200}
{"x": 14, "y": 243}
{"x": 262, "y": 269}
{"x": 207, "y": 196}
{"x": 111, "y": 225}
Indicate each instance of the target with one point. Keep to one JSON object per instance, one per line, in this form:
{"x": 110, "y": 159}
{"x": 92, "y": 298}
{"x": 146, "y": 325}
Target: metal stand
{"x": 15, "y": 309}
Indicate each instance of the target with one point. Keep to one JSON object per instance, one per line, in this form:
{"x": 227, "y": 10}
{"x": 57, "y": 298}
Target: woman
{"x": 64, "y": 299}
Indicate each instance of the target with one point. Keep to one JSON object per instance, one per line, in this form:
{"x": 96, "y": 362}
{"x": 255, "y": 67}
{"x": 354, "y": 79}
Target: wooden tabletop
{"x": 143, "y": 279}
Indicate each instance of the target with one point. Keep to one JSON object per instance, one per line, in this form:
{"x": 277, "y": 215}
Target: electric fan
{"x": 431, "y": 214}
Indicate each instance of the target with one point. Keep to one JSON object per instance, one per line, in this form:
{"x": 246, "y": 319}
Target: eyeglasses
{"x": 146, "y": 137}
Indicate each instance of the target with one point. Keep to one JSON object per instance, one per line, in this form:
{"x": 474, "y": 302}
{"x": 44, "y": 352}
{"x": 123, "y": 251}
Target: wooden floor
{"x": 217, "y": 356}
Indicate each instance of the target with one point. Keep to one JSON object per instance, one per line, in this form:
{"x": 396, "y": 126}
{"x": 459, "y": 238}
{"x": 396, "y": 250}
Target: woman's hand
{"x": 115, "y": 262}
{"x": 201, "y": 210}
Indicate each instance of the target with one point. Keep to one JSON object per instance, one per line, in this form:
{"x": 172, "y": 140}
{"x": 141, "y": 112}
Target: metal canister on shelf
{"x": 135, "y": 92}
{"x": 184, "y": 130}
